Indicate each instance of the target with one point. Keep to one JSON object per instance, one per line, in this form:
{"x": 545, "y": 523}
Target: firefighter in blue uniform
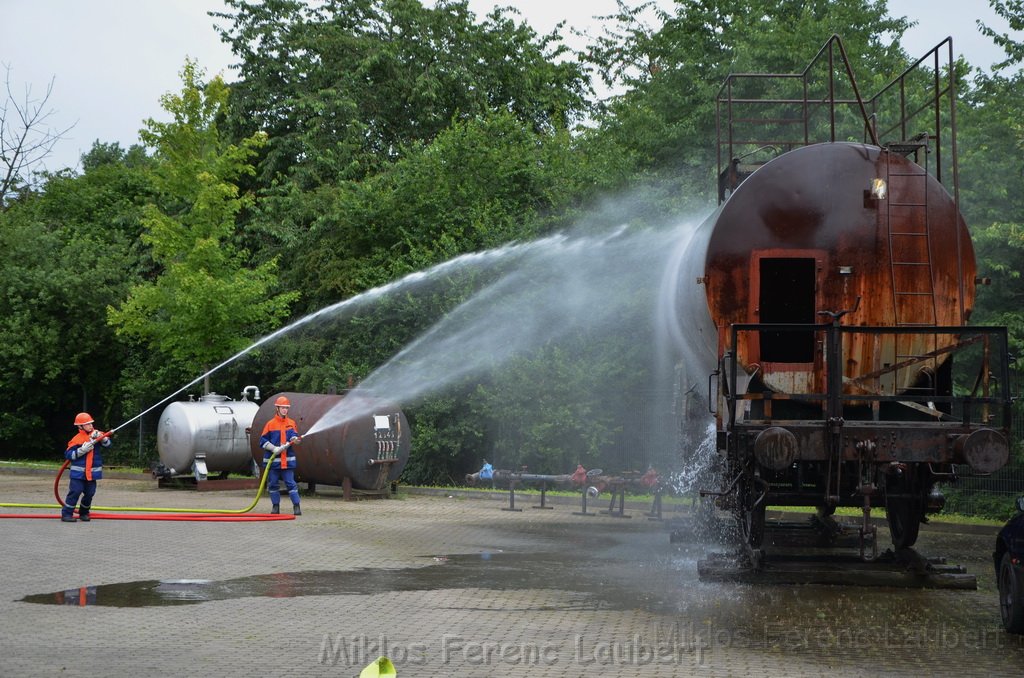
{"x": 277, "y": 433}
{"x": 86, "y": 467}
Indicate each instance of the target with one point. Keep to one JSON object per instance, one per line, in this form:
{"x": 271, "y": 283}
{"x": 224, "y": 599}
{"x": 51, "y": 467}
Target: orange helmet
{"x": 282, "y": 402}
{"x": 83, "y": 418}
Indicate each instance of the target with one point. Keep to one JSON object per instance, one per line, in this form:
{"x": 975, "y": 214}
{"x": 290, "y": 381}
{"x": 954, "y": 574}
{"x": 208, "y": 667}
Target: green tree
{"x": 664, "y": 121}
{"x": 1013, "y": 12}
{"x": 72, "y": 249}
{"x": 992, "y": 139}
{"x": 342, "y": 87}
{"x": 206, "y": 302}
{"x": 478, "y": 185}
{"x": 345, "y": 89}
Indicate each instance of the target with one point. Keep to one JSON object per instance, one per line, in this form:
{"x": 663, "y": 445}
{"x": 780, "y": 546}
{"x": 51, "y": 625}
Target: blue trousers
{"x": 79, "y": 487}
{"x": 274, "y": 476}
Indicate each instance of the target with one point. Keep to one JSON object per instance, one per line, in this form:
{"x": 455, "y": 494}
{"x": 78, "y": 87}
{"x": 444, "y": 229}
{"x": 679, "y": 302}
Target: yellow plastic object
{"x": 381, "y": 667}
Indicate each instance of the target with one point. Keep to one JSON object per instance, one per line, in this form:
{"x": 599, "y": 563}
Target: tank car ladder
{"x": 910, "y": 244}
{"x": 910, "y": 247}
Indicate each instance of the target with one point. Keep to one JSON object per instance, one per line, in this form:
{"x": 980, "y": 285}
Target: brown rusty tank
{"x": 370, "y": 449}
{"x": 804, "y": 234}
{"x": 836, "y": 281}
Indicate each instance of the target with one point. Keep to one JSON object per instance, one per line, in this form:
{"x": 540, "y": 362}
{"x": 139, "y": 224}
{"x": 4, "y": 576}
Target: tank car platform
{"x": 828, "y": 552}
{"x": 903, "y": 569}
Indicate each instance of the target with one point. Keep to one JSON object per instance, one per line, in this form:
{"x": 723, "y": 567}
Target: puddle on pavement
{"x": 665, "y": 585}
{"x": 594, "y": 570}
{"x": 591, "y": 581}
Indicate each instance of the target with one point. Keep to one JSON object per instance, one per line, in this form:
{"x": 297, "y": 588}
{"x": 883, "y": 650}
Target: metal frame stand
{"x": 543, "y": 496}
{"x": 512, "y": 497}
{"x": 618, "y": 492}
{"x": 583, "y": 510}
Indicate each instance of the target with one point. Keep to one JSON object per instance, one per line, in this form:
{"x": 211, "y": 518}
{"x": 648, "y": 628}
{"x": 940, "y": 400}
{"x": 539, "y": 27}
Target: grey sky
{"x": 111, "y": 60}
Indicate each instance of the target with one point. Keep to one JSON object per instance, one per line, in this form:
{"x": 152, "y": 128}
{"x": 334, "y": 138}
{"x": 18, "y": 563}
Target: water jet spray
{"x": 410, "y": 280}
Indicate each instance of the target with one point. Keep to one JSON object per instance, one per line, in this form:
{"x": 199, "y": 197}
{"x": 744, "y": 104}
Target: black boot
{"x": 84, "y": 517}
{"x": 68, "y": 519}
{"x": 296, "y": 510}
{"x": 275, "y": 509}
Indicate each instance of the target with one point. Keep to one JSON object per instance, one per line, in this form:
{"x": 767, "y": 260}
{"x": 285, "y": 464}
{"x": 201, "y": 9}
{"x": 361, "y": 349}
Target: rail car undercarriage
{"x": 857, "y": 443}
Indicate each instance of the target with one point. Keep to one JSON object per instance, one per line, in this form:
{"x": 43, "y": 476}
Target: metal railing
{"x": 777, "y": 112}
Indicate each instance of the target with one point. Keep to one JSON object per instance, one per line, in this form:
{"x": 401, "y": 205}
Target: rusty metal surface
{"x": 891, "y": 441}
{"x": 368, "y": 456}
{"x": 900, "y": 254}
{"x": 840, "y": 278}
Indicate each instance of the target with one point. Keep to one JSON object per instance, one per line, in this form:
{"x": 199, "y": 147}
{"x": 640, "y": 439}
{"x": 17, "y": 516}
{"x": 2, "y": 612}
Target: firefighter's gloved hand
{"x": 95, "y": 434}
{"x": 86, "y": 448}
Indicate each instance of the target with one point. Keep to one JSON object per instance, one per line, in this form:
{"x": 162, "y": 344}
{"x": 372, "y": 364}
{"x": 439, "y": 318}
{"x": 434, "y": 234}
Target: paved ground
{"x": 448, "y": 587}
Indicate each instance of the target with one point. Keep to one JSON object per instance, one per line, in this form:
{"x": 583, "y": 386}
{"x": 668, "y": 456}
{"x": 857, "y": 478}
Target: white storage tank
{"x": 205, "y": 436}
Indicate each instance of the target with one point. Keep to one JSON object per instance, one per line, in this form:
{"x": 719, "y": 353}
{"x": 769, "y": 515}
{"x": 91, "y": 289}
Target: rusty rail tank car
{"x": 368, "y": 451}
{"x": 838, "y": 278}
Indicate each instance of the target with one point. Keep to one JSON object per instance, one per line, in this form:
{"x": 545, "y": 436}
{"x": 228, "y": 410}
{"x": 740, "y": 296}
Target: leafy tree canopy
{"x": 205, "y": 304}
{"x": 342, "y": 86}
{"x": 665, "y": 118}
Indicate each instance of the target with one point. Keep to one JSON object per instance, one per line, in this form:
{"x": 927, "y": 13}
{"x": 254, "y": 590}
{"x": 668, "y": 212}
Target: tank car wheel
{"x": 1011, "y": 596}
{"x": 904, "y": 518}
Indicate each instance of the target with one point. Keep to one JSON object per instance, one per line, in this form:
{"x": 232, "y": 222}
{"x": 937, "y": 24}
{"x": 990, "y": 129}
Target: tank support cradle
{"x": 199, "y": 467}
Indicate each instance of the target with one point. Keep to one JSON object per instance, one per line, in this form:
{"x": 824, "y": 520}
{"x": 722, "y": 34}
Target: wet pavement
{"x": 452, "y": 586}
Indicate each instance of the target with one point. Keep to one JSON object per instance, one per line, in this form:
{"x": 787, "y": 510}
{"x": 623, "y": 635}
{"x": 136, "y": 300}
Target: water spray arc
{"x": 541, "y": 291}
{"x": 587, "y": 284}
{"x": 411, "y": 280}
{"x": 465, "y": 260}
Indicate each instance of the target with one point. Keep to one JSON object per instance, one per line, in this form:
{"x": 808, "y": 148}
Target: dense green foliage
{"x": 367, "y": 140}
{"x": 204, "y": 302}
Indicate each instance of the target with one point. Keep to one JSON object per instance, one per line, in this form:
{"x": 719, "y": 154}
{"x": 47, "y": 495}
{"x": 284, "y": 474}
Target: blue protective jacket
{"x": 85, "y": 465}
{"x": 278, "y": 431}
